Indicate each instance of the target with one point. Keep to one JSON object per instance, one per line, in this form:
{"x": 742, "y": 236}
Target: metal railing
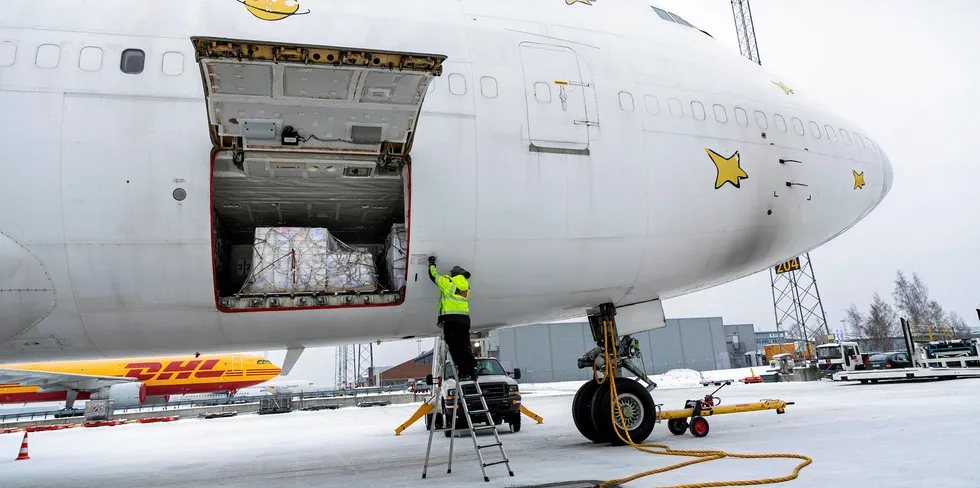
{"x": 207, "y": 402}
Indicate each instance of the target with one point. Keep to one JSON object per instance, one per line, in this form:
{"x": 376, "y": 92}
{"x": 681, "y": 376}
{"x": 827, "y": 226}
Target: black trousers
{"x": 456, "y": 333}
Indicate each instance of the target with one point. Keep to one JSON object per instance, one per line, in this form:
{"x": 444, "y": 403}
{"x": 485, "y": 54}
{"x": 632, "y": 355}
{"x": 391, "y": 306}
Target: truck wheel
{"x": 638, "y": 411}
{"x": 582, "y": 411}
{"x": 677, "y": 426}
{"x": 428, "y": 421}
{"x": 699, "y": 427}
{"x": 515, "y": 423}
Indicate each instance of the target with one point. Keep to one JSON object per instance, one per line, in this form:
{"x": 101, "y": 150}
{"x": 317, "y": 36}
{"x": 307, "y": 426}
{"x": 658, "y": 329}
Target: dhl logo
{"x": 174, "y": 369}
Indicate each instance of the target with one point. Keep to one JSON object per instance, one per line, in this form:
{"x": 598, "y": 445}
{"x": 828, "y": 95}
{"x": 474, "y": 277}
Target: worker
{"x": 454, "y": 317}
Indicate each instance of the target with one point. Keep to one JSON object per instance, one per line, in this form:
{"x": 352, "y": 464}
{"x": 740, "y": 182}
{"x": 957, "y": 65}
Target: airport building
{"x": 411, "y": 370}
{"x": 764, "y": 337}
{"x": 549, "y": 352}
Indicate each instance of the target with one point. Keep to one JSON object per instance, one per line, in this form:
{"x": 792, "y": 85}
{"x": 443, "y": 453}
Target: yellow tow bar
{"x": 778, "y": 405}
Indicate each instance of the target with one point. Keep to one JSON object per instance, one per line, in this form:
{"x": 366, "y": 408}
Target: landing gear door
{"x": 313, "y": 99}
{"x": 555, "y": 93}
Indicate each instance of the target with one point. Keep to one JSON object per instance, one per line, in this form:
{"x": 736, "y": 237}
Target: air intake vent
{"x": 357, "y": 172}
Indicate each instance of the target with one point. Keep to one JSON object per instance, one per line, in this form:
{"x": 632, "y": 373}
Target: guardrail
{"x": 210, "y": 402}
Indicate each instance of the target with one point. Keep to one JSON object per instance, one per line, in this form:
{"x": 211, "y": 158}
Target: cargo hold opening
{"x": 299, "y": 231}
{"x": 310, "y": 182}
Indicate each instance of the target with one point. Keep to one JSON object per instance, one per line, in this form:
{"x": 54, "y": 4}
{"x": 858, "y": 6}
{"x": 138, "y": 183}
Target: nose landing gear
{"x": 591, "y": 407}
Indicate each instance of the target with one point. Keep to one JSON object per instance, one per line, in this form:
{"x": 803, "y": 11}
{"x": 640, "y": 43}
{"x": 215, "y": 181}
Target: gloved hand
{"x": 432, "y": 260}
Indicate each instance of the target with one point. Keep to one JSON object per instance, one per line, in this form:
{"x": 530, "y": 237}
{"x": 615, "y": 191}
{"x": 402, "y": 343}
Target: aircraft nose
{"x": 886, "y": 167}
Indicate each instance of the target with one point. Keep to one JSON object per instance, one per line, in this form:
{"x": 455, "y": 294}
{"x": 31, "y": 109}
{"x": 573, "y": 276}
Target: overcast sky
{"x": 907, "y": 72}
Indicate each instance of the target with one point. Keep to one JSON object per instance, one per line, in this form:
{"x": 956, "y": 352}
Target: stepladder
{"x": 465, "y": 394}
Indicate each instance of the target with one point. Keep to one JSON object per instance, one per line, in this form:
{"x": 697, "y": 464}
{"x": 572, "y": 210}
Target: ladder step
{"x": 475, "y": 395}
{"x": 485, "y": 427}
{"x": 496, "y": 462}
{"x": 495, "y": 444}
{"x": 477, "y": 412}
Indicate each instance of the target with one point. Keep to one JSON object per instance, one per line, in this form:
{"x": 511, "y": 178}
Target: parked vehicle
{"x": 889, "y": 360}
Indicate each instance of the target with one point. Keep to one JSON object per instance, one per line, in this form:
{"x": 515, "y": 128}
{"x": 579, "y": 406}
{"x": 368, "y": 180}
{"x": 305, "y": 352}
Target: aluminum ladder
{"x": 459, "y": 398}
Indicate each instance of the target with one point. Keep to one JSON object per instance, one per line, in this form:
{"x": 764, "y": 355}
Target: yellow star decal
{"x": 587, "y": 2}
{"x": 729, "y": 169}
{"x": 858, "y": 179}
{"x": 781, "y": 85}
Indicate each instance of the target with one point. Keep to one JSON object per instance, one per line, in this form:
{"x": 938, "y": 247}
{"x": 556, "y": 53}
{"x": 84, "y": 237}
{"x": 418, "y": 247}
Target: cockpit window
{"x": 663, "y": 14}
{"x": 672, "y": 17}
{"x": 679, "y": 20}
{"x": 264, "y": 361}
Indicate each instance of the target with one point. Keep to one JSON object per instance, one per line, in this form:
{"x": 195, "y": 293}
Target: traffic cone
{"x": 23, "y": 449}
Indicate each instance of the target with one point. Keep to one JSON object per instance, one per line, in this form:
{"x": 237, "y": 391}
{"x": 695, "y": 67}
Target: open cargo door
{"x": 312, "y": 99}
{"x": 314, "y": 142}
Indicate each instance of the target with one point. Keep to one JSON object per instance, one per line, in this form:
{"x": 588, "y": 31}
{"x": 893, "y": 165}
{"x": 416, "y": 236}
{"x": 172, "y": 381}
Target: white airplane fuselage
{"x": 567, "y": 155}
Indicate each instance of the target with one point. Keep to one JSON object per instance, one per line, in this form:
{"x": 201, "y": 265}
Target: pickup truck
{"x": 501, "y": 392}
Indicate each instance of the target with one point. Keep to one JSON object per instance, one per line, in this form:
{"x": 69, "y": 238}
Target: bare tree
{"x": 960, "y": 328}
{"x": 912, "y": 298}
{"x": 879, "y": 326}
{"x": 854, "y": 320}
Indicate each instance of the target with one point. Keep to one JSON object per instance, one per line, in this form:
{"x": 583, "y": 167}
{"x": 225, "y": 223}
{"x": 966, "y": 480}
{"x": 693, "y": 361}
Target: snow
{"x": 675, "y": 378}
{"x": 886, "y": 434}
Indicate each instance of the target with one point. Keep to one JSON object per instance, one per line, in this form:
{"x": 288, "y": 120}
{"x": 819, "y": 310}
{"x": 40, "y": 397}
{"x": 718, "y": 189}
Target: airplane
{"x": 578, "y": 157}
{"x": 279, "y": 387}
{"x": 131, "y": 382}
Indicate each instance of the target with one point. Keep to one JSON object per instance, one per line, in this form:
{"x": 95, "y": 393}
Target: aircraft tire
{"x": 582, "y": 411}
{"x": 638, "y": 408}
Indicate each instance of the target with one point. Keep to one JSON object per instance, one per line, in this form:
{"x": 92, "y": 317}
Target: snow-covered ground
{"x": 892, "y": 435}
{"x": 677, "y": 378}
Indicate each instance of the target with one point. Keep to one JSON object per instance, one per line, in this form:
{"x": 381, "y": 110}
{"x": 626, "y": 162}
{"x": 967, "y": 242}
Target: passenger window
{"x": 626, "y": 101}
{"x": 652, "y": 104}
{"x": 831, "y": 133}
{"x": 48, "y": 56}
{"x": 698, "y": 109}
{"x": 815, "y": 130}
{"x": 721, "y": 115}
{"x": 859, "y": 139}
{"x": 542, "y": 92}
{"x": 675, "y": 107}
{"x": 8, "y": 53}
{"x": 780, "y": 122}
{"x": 760, "y": 120}
{"x": 663, "y": 14}
{"x": 488, "y": 86}
{"x": 131, "y": 62}
{"x": 90, "y": 58}
{"x": 173, "y": 63}
{"x": 798, "y": 126}
{"x": 741, "y": 117}
{"x": 845, "y": 137}
{"x": 457, "y": 84}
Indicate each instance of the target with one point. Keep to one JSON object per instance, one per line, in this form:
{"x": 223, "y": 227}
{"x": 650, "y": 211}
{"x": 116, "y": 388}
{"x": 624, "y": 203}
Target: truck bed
{"x": 906, "y": 374}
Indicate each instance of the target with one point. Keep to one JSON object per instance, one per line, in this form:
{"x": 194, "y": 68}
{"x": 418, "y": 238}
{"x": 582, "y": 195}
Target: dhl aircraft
{"x": 569, "y": 153}
{"x": 131, "y": 382}
{"x": 279, "y": 387}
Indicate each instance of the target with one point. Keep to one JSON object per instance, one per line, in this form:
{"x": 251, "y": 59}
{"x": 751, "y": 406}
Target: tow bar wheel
{"x": 677, "y": 426}
{"x": 699, "y": 427}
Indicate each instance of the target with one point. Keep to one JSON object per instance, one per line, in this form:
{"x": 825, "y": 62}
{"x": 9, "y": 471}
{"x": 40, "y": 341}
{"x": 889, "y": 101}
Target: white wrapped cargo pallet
{"x": 348, "y": 270}
{"x": 304, "y": 259}
{"x": 396, "y": 256}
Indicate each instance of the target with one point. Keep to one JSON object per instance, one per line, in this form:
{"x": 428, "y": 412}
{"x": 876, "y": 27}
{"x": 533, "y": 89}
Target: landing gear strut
{"x": 592, "y": 406}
